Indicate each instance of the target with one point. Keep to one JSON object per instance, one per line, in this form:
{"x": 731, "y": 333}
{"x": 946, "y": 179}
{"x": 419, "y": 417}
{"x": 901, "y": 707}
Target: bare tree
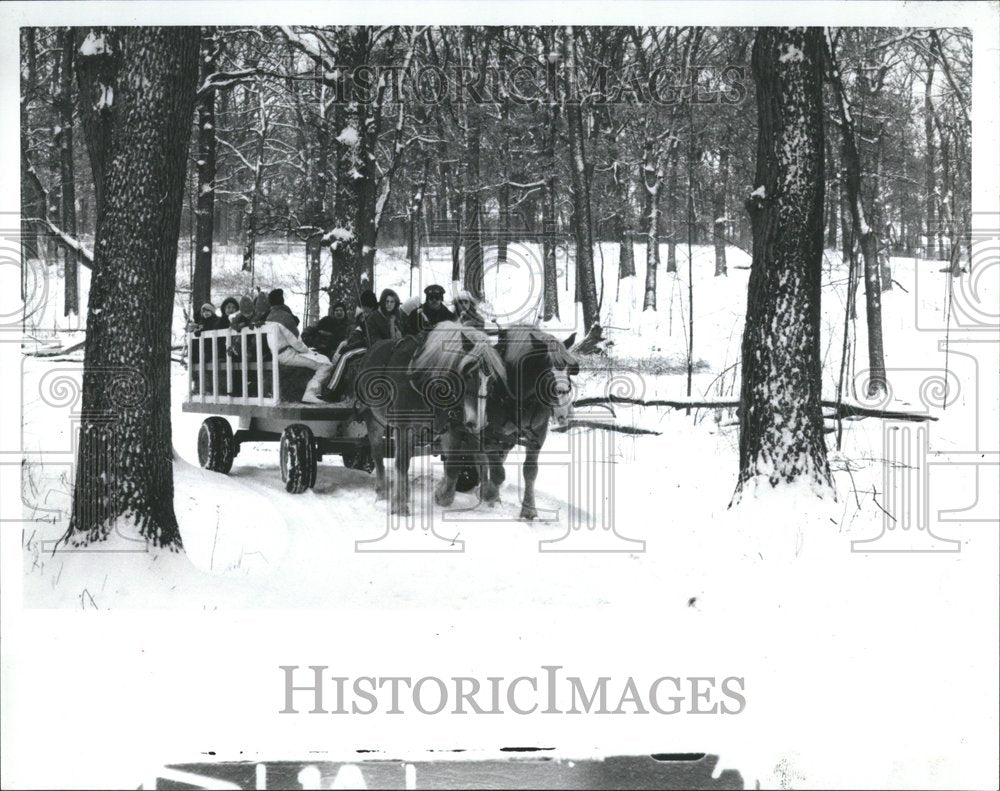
{"x": 781, "y": 422}
{"x": 124, "y": 462}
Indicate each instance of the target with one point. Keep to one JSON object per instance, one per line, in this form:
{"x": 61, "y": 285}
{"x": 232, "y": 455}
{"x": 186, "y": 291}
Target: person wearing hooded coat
{"x": 383, "y": 324}
{"x": 207, "y": 320}
{"x": 279, "y": 312}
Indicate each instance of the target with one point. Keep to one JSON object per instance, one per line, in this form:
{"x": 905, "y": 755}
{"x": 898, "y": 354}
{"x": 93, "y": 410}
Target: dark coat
{"x": 325, "y": 335}
{"x": 280, "y": 314}
{"x": 423, "y": 318}
{"x": 211, "y": 323}
{"x": 383, "y": 325}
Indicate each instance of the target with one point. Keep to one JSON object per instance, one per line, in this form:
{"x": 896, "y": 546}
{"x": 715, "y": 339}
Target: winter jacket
{"x": 325, "y": 335}
{"x": 380, "y": 325}
{"x": 424, "y": 317}
{"x": 280, "y": 314}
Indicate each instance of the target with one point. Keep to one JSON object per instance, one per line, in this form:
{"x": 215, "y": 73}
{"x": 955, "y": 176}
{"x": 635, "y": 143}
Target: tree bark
{"x": 672, "y": 211}
{"x": 201, "y": 282}
{"x": 97, "y": 67}
{"x": 719, "y": 209}
{"x": 933, "y": 231}
{"x": 866, "y": 235}
{"x": 67, "y": 191}
{"x": 473, "y": 220}
{"x": 781, "y": 421}
{"x": 550, "y": 274}
{"x": 652, "y": 182}
{"x": 582, "y": 224}
{"x": 124, "y": 463}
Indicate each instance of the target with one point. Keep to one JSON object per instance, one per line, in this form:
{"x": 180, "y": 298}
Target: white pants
{"x": 318, "y": 362}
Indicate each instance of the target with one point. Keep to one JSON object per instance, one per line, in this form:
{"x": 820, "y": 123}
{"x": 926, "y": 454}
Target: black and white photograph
{"x": 470, "y": 395}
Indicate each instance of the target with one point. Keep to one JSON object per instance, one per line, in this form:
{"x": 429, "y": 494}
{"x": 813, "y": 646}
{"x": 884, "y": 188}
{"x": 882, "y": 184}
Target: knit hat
{"x": 261, "y": 306}
{"x": 276, "y": 297}
{"x": 434, "y": 290}
{"x": 246, "y": 306}
{"x": 369, "y": 300}
{"x": 208, "y": 305}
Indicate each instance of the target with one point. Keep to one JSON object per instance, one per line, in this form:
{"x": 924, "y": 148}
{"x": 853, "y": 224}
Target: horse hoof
{"x": 444, "y": 500}
{"x": 401, "y": 509}
{"x": 528, "y": 513}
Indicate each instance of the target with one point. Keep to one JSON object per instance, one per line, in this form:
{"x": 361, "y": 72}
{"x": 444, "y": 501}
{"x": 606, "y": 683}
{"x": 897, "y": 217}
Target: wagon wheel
{"x": 298, "y": 458}
{"x": 216, "y": 445}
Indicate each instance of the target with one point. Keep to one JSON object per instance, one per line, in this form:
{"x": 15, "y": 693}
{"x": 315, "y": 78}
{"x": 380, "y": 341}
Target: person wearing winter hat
{"x": 206, "y": 320}
{"x": 279, "y": 312}
{"x": 261, "y": 307}
{"x": 431, "y": 312}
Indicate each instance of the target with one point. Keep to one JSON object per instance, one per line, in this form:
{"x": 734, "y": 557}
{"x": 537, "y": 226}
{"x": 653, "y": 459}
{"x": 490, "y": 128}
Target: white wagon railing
{"x": 251, "y": 379}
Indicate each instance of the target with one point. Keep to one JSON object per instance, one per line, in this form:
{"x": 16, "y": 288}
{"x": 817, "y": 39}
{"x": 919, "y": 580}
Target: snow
{"x": 778, "y": 594}
{"x": 93, "y": 44}
{"x": 791, "y": 54}
{"x": 760, "y": 192}
{"x": 348, "y": 136}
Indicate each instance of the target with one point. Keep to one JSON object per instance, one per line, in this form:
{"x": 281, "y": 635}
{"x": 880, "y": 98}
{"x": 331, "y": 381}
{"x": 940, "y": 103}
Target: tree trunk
{"x": 64, "y": 141}
{"x": 672, "y": 210}
{"x": 550, "y": 274}
{"x": 97, "y": 67}
{"x": 124, "y": 464}
{"x": 503, "y": 193}
{"x": 623, "y": 225}
{"x": 201, "y": 282}
{"x": 651, "y": 188}
{"x": 30, "y": 206}
{"x": 864, "y": 233}
{"x": 929, "y": 176}
{"x": 473, "y": 230}
{"x": 719, "y": 209}
{"x": 781, "y": 422}
{"x": 582, "y": 225}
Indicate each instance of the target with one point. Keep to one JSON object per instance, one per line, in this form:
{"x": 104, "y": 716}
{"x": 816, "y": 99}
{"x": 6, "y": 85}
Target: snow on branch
{"x": 840, "y": 409}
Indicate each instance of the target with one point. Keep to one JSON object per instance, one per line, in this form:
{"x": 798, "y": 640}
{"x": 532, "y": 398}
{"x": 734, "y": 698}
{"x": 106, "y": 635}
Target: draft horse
{"x": 437, "y": 389}
{"x": 539, "y": 390}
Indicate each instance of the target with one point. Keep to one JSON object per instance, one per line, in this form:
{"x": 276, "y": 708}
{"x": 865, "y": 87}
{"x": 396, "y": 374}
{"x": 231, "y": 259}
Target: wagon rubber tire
{"x": 216, "y": 445}
{"x": 298, "y": 458}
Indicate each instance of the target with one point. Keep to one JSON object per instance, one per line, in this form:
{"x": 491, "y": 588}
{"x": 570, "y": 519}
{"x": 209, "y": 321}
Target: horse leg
{"x": 528, "y": 510}
{"x": 404, "y": 451}
{"x": 376, "y": 442}
{"x": 489, "y": 491}
{"x": 444, "y": 492}
{"x": 497, "y": 457}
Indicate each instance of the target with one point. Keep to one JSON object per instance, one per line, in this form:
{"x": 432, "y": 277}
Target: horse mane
{"x": 519, "y": 342}
{"x": 443, "y": 349}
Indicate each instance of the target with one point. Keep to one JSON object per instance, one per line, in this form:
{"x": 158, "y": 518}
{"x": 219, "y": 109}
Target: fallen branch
{"x": 840, "y": 409}
{"x": 56, "y": 352}
{"x": 605, "y": 427}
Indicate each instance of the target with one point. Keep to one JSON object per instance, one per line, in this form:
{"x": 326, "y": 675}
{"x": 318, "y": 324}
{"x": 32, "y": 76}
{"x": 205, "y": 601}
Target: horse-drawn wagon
{"x": 235, "y": 375}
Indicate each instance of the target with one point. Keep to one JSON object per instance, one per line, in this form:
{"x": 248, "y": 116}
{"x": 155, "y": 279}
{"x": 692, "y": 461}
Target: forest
{"x": 785, "y": 143}
{"x": 348, "y": 139}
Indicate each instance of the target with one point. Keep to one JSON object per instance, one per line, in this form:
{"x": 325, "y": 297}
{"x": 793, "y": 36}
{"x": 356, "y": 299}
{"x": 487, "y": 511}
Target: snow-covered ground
{"x": 772, "y": 582}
